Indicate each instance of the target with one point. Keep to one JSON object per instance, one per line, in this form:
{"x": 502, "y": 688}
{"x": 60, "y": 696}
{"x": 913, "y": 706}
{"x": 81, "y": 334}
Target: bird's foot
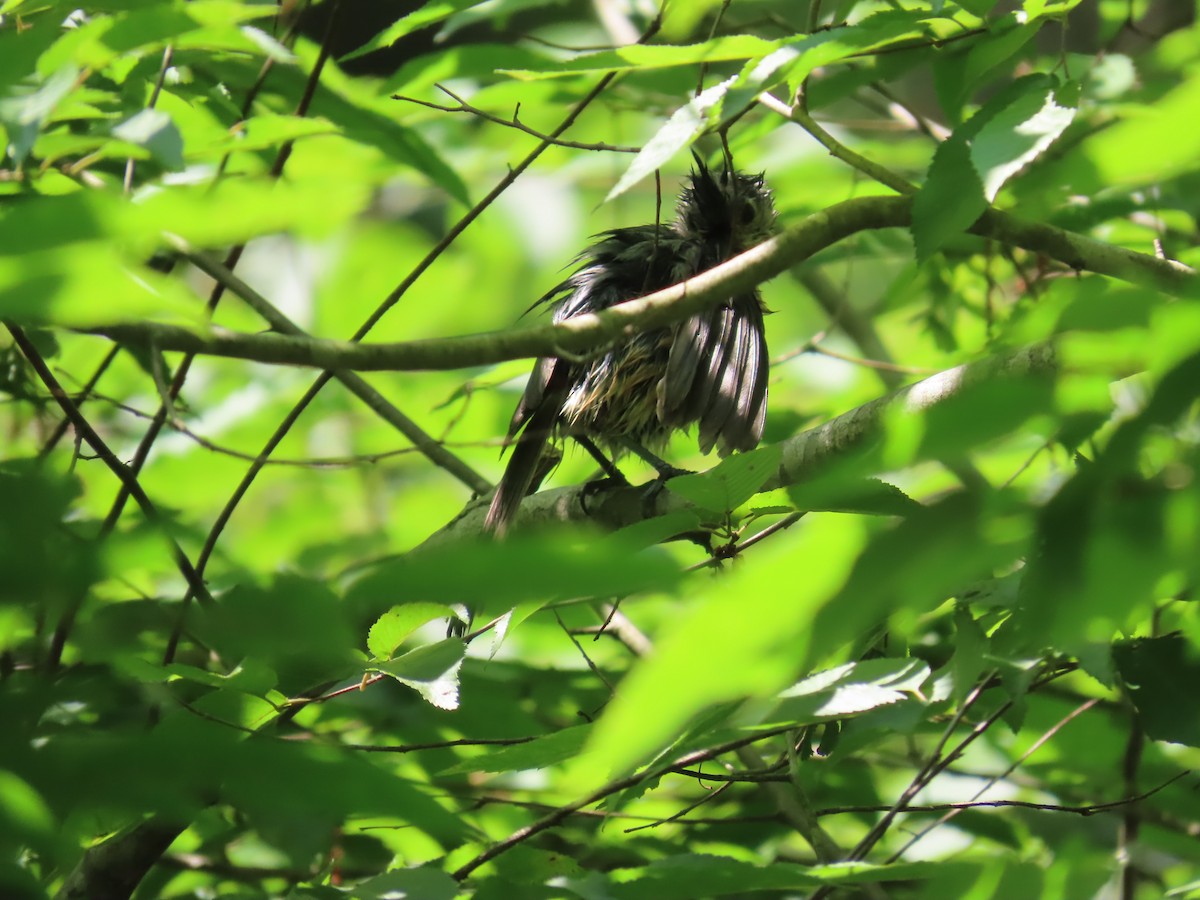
{"x": 653, "y": 489}
{"x": 598, "y": 486}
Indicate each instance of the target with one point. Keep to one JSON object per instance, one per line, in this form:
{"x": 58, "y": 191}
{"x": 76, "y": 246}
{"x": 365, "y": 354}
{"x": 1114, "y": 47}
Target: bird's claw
{"x": 607, "y": 483}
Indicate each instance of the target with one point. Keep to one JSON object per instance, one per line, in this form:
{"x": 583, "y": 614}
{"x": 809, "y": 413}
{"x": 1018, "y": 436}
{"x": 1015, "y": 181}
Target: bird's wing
{"x": 717, "y": 375}
{"x": 535, "y": 394}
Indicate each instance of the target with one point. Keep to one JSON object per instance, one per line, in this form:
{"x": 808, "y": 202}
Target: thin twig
{"x": 1038, "y": 744}
{"x": 432, "y": 449}
{"x": 874, "y": 170}
{"x": 124, "y": 475}
{"x": 218, "y": 291}
{"x": 514, "y": 122}
{"x": 434, "y": 253}
{"x": 683, "y": 811}
{"x": 562, "y": 812}
{"x": 587, "y": 659}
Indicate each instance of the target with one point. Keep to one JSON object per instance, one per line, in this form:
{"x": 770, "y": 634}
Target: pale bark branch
{"x": 586, "y": 334}
{"x": 804, "y": 454}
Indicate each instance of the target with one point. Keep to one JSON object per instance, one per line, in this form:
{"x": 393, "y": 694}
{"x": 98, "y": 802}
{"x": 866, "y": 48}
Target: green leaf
{"x": 429, "y": 13}
{"x": 492, "y": 577}
{"x": 950, "y": 200}
{"x": 918, "y": 563}
{"x": 154, "y": 130}
{"x": 264, "y": 132}
{"x": 874, "y": 32}
{"x": 1153, "y": 142}
{"x": 1160, "y": 675}
{"x": 89, "y": 286}
{"x": 431, "y": 671}
{"x": 391, "y": 629}
{"x": 466, "y": 61}
{"x": 852, "y": 495}
{"x": 24, "y": 814}
{"x": 644, "y": 57}
{"x": 977, "y": 7}
{"x": 980, "y": 413}
{"x": 1011, "y": 130}
{"x": 530, "y": 868}
{"x": 764, "y": 626}
{"x": 957, "y": 74}
{"x": 844, "y": 691}
{"x": 731, "y": 482}
{"x": 539, "y": 753}
{"x": 685, "y": 124}
{"x": 687, "y": 876}
{"x": 296, "y": 626}
{"x": 970, "y": 653}
{"x": 425, "y": 883}
{"x": 23, "y": 112}
{"x": 1013, "y": 137}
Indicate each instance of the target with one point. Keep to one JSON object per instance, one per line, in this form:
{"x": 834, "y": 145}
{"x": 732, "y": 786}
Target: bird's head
{"x": 726, "y": 208}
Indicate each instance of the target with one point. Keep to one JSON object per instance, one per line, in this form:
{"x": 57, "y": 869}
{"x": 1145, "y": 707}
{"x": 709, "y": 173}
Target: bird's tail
{"x": 526, "y": 461}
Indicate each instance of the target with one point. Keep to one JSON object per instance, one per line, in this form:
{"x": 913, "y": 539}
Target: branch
{"x": 433, "y": 450}
{"x": 113, "y": 869}
{"x": 514, "y": 122}
{"x": 803, "y": 454}
{"x": 586, "y": 334}
{"x": 122, "y": 472}
{"x": 560, "y": 813}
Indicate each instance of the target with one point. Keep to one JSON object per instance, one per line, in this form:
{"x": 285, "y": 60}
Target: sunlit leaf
{"x": 431, "y": 671}
{"x": 642, "y": 57}
{"x": 538, "y": 753}
{"x": 429, "y": 13}
{"x": 731, "y": 482}
{"x": 680, "y": 130}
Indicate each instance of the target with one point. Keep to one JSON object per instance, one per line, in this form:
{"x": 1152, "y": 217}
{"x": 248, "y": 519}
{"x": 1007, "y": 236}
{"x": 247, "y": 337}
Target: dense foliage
{"x": 933, "y": 643}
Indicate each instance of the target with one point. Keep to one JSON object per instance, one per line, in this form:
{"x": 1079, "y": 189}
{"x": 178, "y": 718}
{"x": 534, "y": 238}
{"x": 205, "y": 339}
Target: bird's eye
{"x": 748, "y": 212}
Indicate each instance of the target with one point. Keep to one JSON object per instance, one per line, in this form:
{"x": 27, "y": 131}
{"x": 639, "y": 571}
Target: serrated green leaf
{"x": 950, "y": 200}
{"x": 644, "y": 57}
{"x": 957, "y": 74}
{"x": 429, "y": 13}
{"x": 1016, "y": 136}
{"x": 685, "y": 124}
{"x": 467, "y": 61}
{"x": 978, "y": 8}
{"x": 684, "y": 877}
{"x": 868, "y": 495}
{"x": 969, "y": 655}
{"x": 492, "y": 577}
{"x": 763, "y": 635}
{"x": 539, "y": 753}
{"x": 1160, "y": 675}
{"x": 731, "y": 482}
{"x": 390, "y": 629}
{"x": 431, "y": 671}
{"x": 969, "y": 168}
{"x": 423, "y": 883}
{"x": 873, "y": 32}
{"x": 844, "y": 691}
{"x": 296, "y": 626}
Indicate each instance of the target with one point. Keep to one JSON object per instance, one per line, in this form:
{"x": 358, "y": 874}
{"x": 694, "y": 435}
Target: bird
{"x": 709, "y": 370}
